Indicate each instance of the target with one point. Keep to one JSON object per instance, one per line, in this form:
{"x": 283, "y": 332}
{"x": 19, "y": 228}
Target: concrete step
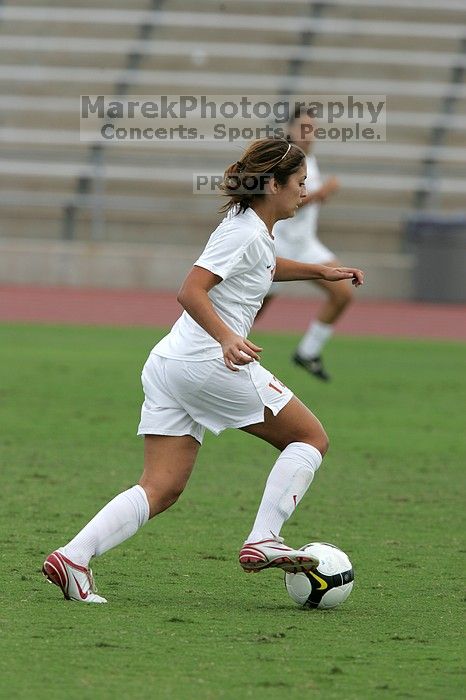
{"x": 161, "y": 266}
{"x": 375, "y": 71}
{"x": 401, "y": 12}
{"x": 85, "y": 29}
{"x": 61, "y": 58}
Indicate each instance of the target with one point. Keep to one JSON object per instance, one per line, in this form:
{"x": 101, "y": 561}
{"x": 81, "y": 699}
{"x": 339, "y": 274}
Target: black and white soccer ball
{"x": 326, "y": 586}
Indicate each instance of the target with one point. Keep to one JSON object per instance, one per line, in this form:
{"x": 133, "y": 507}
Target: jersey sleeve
{"x": 227, "y": 253}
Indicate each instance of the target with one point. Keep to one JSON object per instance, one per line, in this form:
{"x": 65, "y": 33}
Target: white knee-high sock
{"x": 314, "y": 339}
{"x": 287, "y": 483}
{"x": 115, "y": 523}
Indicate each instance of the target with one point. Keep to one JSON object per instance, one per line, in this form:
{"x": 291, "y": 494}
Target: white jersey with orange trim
{"x": 242, "y": 252}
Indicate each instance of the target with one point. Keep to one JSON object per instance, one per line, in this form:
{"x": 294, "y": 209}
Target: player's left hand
{"x": 334, "y": 274}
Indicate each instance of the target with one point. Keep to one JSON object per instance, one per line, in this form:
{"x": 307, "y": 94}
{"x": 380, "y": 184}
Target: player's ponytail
{"x": 244, "y": 180}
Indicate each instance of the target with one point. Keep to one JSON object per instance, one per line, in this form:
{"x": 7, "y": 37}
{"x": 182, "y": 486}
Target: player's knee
{"x": 160, "y": 500}
{"x": 343, "y": 296}
{"x": 318, "y": 438}
{"x": 170, "y": 496}
{"x": 321, "y": 442}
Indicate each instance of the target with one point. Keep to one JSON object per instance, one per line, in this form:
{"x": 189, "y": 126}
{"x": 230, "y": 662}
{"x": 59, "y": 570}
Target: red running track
{"x": 153, "y": 308}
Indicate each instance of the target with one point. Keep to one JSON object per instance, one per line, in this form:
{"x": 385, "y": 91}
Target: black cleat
{"x": 313, "y": 365}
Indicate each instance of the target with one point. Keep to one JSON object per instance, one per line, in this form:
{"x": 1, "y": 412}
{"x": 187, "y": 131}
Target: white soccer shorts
{"x": 185, "y": 398}
{"x": 309, "y": 251}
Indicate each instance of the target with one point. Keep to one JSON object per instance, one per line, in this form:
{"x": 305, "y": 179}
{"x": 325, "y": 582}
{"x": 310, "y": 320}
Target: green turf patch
{"x": 390, "y": 493}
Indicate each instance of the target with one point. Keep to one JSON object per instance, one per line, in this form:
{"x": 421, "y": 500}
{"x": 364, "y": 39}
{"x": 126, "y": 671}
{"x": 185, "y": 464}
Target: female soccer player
{"x": 297, "y": 239}
{"x": 206, "y": 374}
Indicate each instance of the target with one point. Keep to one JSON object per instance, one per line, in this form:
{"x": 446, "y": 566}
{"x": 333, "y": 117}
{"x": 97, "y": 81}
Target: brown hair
{"x": 274, "y": 157}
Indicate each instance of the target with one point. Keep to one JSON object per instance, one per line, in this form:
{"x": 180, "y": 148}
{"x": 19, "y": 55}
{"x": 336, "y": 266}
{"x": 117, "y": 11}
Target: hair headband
{"x": 286, "y": 153}
{"x": 240, "y": 166}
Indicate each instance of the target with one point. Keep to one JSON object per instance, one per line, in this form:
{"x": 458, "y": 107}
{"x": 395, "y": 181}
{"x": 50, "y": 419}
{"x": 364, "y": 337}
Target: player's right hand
{"x": 239, "y": 351}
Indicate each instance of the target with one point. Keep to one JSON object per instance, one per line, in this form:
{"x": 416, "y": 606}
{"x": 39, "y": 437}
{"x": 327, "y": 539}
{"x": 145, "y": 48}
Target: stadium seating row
{"x": 49, "y": 55}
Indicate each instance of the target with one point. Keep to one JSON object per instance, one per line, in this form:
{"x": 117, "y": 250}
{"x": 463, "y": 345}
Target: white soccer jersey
{"x": 241, "y": 252}
{"x": 303, "y": 226}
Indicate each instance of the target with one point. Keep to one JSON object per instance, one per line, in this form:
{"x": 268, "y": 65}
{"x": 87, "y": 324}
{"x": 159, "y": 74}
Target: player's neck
{"x": 264, "y": 212}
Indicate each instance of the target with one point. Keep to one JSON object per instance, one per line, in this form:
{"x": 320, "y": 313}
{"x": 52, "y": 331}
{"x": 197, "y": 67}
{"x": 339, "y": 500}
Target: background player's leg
{"x": 338, "y": 296}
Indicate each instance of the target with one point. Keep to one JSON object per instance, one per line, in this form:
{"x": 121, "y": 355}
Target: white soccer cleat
{"x": 255, "y": 556}
{"x": 76, "y": 582}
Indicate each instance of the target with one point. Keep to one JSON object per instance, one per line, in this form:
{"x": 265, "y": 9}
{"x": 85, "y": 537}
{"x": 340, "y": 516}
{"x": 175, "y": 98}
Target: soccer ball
{"x": 326, "y": 586}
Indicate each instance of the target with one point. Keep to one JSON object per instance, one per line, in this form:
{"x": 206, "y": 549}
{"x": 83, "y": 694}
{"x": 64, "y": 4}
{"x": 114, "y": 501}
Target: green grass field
{"x": 390, "y": 493}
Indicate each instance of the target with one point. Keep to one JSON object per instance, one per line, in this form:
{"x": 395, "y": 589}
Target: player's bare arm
{"x": 194, "y": 298}
{"x": 291, "y": 270}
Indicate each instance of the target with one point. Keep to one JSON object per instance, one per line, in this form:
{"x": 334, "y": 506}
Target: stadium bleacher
{"x": 55, "y": 187}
